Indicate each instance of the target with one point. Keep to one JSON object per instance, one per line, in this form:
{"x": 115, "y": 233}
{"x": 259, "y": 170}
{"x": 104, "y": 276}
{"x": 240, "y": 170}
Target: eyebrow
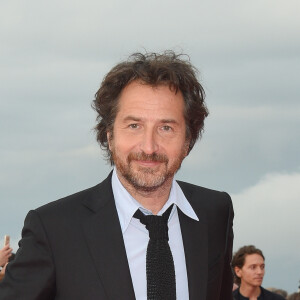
{"x": 133, "y": 118}
{"x": 169, "y": 121}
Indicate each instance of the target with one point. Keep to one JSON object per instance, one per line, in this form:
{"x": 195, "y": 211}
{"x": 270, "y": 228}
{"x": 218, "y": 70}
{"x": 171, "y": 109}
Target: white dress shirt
{"x": 136, "y": 236}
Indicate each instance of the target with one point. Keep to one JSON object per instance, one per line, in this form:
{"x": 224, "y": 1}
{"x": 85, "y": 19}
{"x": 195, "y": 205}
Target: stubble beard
{"x": 146, "y": 179}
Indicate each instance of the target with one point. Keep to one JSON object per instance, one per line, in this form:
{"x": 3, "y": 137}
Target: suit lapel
{"x": 195, "y": 242}
{"x": 105, "y": 241}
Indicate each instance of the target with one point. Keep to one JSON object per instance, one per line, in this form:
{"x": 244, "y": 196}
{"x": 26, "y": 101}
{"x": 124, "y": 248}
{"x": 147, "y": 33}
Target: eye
{"x": 166, "y": 128}
{"x": 133, "y": 126}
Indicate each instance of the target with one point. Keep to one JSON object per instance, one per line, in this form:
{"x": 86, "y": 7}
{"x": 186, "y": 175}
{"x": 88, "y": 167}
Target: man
{"x": 248, "y": 265}
{"x": 94, "y": 244}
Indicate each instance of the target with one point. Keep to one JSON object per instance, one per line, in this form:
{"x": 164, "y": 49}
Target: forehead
{"x": 139, "y": 97}
{"x": 253, "y": 259}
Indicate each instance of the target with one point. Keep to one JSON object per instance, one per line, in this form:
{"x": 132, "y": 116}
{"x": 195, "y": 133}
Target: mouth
{"x": 148, "y": 163}
{"x": 148, "y": 160}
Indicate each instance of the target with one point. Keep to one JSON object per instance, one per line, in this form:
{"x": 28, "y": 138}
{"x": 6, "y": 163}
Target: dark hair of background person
{"x": 294, "y": 296}
{"x": 168, "y": 68}
{"x": 238, "y": 259}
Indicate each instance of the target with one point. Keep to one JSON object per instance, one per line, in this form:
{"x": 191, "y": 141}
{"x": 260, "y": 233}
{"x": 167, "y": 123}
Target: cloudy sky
{"x": 54, "y": 54}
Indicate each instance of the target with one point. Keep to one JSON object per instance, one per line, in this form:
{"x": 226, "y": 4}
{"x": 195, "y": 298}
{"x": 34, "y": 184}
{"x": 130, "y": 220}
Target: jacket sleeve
{"x": 31, "y": 275}
{"x": 227, "y": 282}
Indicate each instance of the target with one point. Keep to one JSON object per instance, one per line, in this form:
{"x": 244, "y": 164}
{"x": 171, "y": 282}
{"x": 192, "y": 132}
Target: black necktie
{"x": 160, "y": 270}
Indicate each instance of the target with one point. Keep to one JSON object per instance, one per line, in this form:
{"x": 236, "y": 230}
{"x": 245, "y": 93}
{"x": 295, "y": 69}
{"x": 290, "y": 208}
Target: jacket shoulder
{"x": 69, "y": 200}
{"x": 92, "y": 198}
{"x": 195, "y": 193}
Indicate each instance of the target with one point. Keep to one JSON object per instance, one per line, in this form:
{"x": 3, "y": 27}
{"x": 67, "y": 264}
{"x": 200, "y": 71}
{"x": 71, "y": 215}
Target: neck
{"x": 251, "y": 292}
{"x": 151, "y": 200}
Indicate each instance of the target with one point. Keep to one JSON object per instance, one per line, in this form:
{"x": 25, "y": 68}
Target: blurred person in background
{"x": 5, "y": 253}
{"x": 6, "y": 256}
{"x": 248, "y": 265}
{"x": 294, "y": 296}
{"x": 280, "y": 292}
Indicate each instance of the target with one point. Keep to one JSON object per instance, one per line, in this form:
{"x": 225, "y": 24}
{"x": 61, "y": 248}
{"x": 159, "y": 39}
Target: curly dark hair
{"x": 168, "y": 68}
{"x": 238, "y": 259}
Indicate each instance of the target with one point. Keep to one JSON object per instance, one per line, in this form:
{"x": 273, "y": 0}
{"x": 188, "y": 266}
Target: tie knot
{"x": 156, "y": 225}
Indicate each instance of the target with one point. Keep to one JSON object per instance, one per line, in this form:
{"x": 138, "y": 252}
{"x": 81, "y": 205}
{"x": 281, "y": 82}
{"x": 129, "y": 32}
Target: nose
{"x": 149, "y": 143}
{"x": 260, "y": 271}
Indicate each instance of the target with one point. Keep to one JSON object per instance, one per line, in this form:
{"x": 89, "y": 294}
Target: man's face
{"x": 253, "y": 271}
{"x": 149, "y": 141}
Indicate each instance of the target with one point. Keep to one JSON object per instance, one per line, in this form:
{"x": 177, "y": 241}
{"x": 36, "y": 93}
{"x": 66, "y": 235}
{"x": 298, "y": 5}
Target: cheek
{"x": 121, "y": 145}
{"x": 178, "y": 150}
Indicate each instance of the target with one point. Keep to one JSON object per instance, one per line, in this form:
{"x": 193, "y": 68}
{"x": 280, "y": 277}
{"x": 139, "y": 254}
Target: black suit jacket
{"x": 73, "y": 249}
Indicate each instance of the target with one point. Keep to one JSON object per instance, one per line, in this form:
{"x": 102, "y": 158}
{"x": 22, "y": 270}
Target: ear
{"x": 108, "y": 136}
{"x": 238, "y": 271}
{"x": 186, "y": 148}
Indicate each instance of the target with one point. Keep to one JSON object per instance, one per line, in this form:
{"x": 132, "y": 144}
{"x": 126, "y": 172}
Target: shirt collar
{"x": 127, "y": 205}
